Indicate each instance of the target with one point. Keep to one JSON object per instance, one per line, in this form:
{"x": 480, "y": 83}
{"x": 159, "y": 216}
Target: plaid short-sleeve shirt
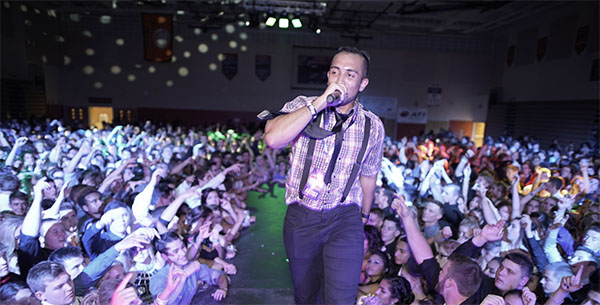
{"x": 353, "y": 136}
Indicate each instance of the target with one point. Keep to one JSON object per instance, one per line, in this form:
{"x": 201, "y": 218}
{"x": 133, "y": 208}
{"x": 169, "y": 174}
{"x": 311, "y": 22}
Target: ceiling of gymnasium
{"x": 357, "y": 19}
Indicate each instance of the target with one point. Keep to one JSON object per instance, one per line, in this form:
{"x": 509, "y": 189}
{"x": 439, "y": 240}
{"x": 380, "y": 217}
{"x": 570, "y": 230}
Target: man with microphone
{"x": 336, "y": 155}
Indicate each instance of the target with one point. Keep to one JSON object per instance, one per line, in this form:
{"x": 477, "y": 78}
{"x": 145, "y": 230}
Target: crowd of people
{"x": 149, "y": 214}
{"x": 145, "y": 214}
{"x": 505, "y": 223}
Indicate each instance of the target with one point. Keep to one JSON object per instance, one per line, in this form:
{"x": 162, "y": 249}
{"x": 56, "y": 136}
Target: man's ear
{"x": 363, "y": 84}
{"x": 85, "y": 208}
{"x": 164, "y": 257}
{"x": 524, "y": 280}
{"x": 39, "y": 295}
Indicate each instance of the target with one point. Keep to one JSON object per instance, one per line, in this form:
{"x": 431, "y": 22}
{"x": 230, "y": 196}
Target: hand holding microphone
{"x": 338, "y": 95}
{"x": 332, "y": 97}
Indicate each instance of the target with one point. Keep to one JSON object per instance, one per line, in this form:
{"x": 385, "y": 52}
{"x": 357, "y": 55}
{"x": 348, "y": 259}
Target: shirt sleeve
{"x": 208, "y": 275}
{"x": 372, "y": 162}
{"x": 158, "y": 282}
{"x": 296, "y": 104}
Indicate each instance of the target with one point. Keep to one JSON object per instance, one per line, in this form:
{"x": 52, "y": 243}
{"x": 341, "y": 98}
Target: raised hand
{"x": 526, "y": 223}
{"x": 39, "y": 187}
{"x": 493, "y": 232}
{"x": 123, "y": 295}
{"x": 446, "y": 232}
{"x": 20, "y": 142}
{"x": 400, "y": 207}
{"x": 566, "y": 202}
{"x": 528, "y": 297}
{"x": 176, "y": 275}
{"x": 572, "y": 283}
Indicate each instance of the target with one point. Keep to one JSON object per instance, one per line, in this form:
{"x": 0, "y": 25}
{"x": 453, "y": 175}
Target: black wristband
{"x": 363, "y": 215}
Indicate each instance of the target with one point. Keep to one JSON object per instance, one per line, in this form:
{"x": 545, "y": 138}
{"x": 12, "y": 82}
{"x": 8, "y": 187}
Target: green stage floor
{"x": 263, "y": 275}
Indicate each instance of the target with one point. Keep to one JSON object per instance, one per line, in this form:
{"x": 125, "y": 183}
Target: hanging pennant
{"x": 541, "y": 48}
{"x": 582, "y": 38}
{"x": 510, "y": 55}
{"x": 262, "y": 67}
{"x": 158, "y": 40}
{"x": 229, "y": 65}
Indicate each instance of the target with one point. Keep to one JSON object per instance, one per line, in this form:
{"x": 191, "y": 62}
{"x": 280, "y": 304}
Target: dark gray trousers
{"x": 325, "y": 249}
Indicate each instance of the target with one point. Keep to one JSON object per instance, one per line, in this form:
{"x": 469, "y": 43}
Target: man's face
{"x": 432, "y": 212}
{"x": 402, "y": 253}
{"x": 508, "y": 276}
{"x": 389, "y": 231}
{"x": 59, "y": 291}
{"x": 69, "y": 221}
{"x": 56, "y": 237}
{"x": 19, "y": 206}
{"x": 447, "y": 194}
{"x": 120, "y": 221}
{"x": 375, "y": 220}
{"x": 74, "y": 266}
{"x": 591, "y": 240}
{"x": 176, "y": 253}
{"x": 550, "y": 282}
{"x": 348, "y": 69}
{"x": 93, "y": 204}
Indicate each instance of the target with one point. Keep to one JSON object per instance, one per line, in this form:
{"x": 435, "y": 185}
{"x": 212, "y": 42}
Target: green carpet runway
{"x": 263, "y": 275}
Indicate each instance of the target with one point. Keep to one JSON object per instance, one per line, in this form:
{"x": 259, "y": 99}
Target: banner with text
{"x": 412, "y": 115}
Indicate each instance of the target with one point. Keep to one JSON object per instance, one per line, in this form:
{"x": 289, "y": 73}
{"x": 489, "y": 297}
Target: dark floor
{"x": 263, "y": 273}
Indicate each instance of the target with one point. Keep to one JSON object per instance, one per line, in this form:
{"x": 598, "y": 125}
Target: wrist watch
{"x": 313, "y": 110}
{"x": 363, "y": 215}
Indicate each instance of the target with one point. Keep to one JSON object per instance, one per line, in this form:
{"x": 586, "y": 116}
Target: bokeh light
{"x": 202, "y": 48}
{"x": 212, "y": 67}
{"x": 115, "y": 69}
{"x": 183, "y": 71}
{"x": 89, "y": 70}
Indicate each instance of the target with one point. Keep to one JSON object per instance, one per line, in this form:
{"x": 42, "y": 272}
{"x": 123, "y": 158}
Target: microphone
{"x": 333, "y": 96}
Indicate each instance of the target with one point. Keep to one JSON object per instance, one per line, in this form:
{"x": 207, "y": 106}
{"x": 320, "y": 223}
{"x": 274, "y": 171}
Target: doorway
{"x": 98, "y": 115}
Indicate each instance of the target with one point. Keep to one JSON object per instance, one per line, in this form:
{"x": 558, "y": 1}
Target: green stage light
{"x": 284, "y": 23}
{"x": 271, "y": 21}
{"x": 297, "y": 23}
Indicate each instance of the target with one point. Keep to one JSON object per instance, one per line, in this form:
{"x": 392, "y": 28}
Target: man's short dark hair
{"x": 523, "y": 261}
{"x": 378, "y": 212}
{"x": 466, "y": 273}
{"x": 557, "y": 183}
{"x": 42, "y": 273}
{"x": 65, "y": 253}
{"x": 161, "y": 244}
{"x": 19, "y": 195}
{"x": 354, "y": 50}
{"x": 9, "y": 182}
{"x": 395, "y": 221}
